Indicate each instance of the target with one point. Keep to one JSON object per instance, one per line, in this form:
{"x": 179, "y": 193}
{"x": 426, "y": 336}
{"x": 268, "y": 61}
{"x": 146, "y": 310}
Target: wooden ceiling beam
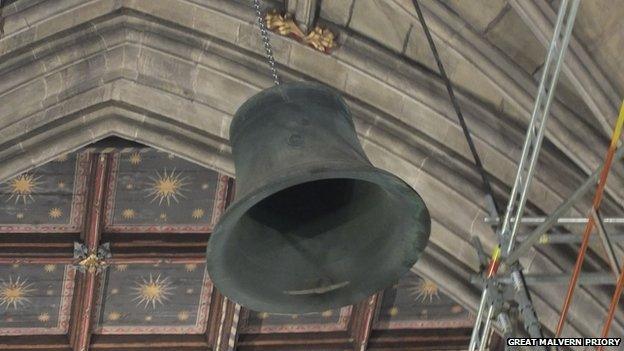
{"x": 420, "y": 339}
{"x": 27, "y": 342}
{"x": 227, "y": 332}
{"x": 214, "y": 318}
{"x": 362, "y": 321}
{"x": 186, "y": 342}
{"x": 249, "y": 343}
{"x": 37, "y": 244}
{"x": 80, "y": 331}
{"x": 157, "y": 260}
{"x": 36, "y": 260}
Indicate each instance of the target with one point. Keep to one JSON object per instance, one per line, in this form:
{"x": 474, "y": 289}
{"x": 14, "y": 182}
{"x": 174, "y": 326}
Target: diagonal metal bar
{"x": 535, "y": 235}
{"x": 537, "y": 125}
{"x": 590, "y": 83}
{"x": 612, "y": 307}
{"x": 606, "y": 243}
{"x": 617, "y": 132}
{"x": 530, "y": 151}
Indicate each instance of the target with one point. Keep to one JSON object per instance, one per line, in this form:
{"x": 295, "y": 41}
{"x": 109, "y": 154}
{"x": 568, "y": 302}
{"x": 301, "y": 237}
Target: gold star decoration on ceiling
{"x": 49, "y": 268}
{"x": 424, "y": 290}
{"x": 183, "y": 316}
{"x": 135, "y": 158}
{"x": 113, "y": 316}
{"x": 55, "y": 213}
{"x": 167, "y": 186}
{"x": 15, "y": 293}
{"x": 190, "y": 267}
{"x": 128, "y": 213}
{"x": 44, "y": 317}
{"x": 198, "y": 213}
{"x": 393, "y": 311}
{"x": 22, "y": 187}
{"x": 153, "y": 290}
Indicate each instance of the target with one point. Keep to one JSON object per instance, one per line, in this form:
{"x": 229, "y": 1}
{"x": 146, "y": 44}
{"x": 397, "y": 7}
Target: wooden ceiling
{"x": 157, "y": 211}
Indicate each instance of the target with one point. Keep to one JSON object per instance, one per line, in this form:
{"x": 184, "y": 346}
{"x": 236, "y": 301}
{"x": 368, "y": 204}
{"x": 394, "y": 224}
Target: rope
{"x": 449, "y": 88}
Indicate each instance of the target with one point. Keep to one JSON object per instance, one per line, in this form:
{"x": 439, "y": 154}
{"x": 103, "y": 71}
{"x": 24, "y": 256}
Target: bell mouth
{"x": 318, "y": 241}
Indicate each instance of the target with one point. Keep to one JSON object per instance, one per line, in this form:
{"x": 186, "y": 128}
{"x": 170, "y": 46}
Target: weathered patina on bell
{"x": 314, "y": 225}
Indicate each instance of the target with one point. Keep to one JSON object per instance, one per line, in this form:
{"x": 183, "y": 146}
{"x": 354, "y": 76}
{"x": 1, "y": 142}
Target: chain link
{"x": 265, "y": 40}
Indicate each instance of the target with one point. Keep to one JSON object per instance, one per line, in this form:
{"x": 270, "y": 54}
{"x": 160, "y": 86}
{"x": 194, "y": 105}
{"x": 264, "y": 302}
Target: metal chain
{"x": 265, "y": 40}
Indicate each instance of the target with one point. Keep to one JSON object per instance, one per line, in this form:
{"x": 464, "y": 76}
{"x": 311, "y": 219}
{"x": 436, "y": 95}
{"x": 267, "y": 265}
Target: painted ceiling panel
{"x": 48, "y": 199}
{"x": 154, "y": 299}
{"x": 263, "y": 322}
{"x": 416, "y": 303}
{"x": 35, "y": 299}
{"x": 152, "y": 191}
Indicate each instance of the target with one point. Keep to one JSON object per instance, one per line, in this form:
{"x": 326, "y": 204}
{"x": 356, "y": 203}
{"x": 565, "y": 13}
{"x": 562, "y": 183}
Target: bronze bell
{"x": 314, "y": 226}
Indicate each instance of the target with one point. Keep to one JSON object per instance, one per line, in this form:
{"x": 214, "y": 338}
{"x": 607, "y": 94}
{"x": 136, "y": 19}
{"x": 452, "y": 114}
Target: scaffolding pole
{"x": 561, "y": 220}
{"x": 551, "y": 220}
{"x": 617, "y": 132}
{"x": 526, "y": 167}
{"x": 548, "y": 239}
{"x": 593, "y": 278}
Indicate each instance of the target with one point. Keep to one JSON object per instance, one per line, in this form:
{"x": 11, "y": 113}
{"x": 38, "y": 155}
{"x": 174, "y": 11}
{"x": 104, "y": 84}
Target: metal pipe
{"x": 533, "y": 141}
{"x": 606, "y": 243}
{"x": 475, "y": 331}
{"x": 594, "y": 278}
{"x": 550, "y": 221}
{"x": 551, "y": 90}
{"x": 620, "y": 282}
{"x": 505, "y": 324}
{"x": 561, "y": 220}
{"x": 617, "y": 132}
{"x": 486, "y": 329}
{"x": 547, "y": 239}
{"x": 612, "y": 307}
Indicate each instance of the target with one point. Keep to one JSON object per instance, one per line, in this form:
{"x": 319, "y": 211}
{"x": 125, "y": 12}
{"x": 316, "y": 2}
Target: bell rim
{"x": 242, "y": 205}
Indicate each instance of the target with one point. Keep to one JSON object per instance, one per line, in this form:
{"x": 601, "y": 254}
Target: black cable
{"x": 486, "y": 182}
